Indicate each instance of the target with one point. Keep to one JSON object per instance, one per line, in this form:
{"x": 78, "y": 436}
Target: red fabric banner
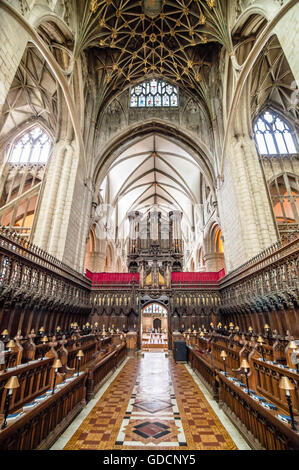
{"x": 197, "y": 278}
{"x": 176, "y": 278}
{"x": 112, "y": 278}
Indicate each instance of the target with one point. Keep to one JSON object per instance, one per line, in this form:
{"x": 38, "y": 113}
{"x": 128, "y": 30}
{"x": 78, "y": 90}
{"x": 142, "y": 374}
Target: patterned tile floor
{"x": 152, "y": 403}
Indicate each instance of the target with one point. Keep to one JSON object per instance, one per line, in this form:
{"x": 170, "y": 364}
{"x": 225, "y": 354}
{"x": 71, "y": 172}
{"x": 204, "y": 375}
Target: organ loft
{"x": 149, "y": 225}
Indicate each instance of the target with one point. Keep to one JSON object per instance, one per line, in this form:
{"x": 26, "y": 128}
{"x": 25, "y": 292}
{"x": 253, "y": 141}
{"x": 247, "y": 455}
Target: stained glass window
{"x": 155, "y": 308}
{"x": 273, "y": 135}
{"x": 154, "y": 94}
{"x": 32, "y": 147}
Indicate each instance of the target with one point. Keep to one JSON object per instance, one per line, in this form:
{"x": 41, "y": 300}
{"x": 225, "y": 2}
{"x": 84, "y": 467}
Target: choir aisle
{"x": 152, "y": 403}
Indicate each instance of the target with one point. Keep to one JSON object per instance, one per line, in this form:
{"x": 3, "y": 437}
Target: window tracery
{"x": 154, "y": 94}
{"x": 273, "y": 135}
{"x": 32, "y": 147}
{"x": 155, "y": 309}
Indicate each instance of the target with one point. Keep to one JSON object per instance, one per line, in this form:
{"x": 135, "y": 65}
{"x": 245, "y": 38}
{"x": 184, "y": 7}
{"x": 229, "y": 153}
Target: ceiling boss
{"x": 152, "y": 8}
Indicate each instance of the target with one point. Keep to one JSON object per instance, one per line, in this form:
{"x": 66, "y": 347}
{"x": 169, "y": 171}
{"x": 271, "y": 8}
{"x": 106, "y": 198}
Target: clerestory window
{"x": 32, "y": 147}
{"x": 273, "y": 135}
{"x": 154, "y": 94}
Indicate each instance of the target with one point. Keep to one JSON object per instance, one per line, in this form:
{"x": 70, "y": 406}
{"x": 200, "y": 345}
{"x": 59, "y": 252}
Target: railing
{"x": 267, "y": 283}
{"x": 34, "y": 380}
{"x": 203, "y": 364}
{"x": 38, "y": 428}
{"x": 13, "y": 243}
{"x": 267, "y": 377}
{"x": 260, "y": 426}
{"x": 99, "y": 371}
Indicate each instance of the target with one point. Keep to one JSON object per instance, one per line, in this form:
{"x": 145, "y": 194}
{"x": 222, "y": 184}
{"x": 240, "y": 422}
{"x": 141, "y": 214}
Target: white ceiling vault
{"x": 154, "y": 174}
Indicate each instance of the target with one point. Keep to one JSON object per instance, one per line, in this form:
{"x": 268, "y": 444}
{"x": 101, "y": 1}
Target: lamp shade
{"x": 244, "y": 364}
{"x": 223, "y": 354}
{"x": 267, "y": 327}
{"x": 250, "y": 328}
{"x": 260, "y": 339}
{"x": 45, "y": 339}
{"x": 292, "y": 345}
{"x": 11, "y": 344}
{"x": 286, "y": 384}
{"x": 57, "y": 364}
{"x": 12, "y": 382}
{"x": 80, "y": 353}
{"x": 4, "y": 333}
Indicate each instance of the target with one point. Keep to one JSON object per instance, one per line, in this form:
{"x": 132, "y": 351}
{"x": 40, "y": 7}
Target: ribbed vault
{"x": 154, "y": 173}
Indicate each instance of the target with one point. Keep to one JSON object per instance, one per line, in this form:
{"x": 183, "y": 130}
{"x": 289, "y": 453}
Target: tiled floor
{"x": 152, "y": 403}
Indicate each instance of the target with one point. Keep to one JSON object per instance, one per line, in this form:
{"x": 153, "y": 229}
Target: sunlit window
{"x": 32, "y": 147}
{"x": 154, "y": 94}
{"x": 273, "y": 135}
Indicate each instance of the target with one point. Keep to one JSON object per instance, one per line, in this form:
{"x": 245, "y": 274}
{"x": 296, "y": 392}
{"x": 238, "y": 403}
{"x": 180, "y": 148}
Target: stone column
{"x": 246, "y": 214}
{"x": 214, "y": 262}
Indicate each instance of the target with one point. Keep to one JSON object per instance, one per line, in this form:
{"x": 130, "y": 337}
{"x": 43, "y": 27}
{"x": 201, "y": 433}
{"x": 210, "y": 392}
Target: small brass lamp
{"x": 4, "y": 334}
{"x": 44, "y": 341}
{"x": 10, "y": 386}
{"x": 261, "y": 341}
{"x": 245, "y": 366}
{"x": 10, "y": 345}
{"x": 286, "y": 384}
{"x": 56, "y": 365}
{"x": 79, "y": 356}
{"x": 219, "y": 325}
{"x": 223, "y": 356}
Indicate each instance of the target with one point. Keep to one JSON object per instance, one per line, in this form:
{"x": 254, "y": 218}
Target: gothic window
{"x": 273, "y": 135}
{"x": 154, "y": 94}
{"x": 32, "y": 147}
{"x": 155, "y": 308}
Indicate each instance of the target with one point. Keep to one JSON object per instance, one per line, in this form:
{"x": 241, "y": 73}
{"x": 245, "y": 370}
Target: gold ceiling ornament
{"x": 172, "y": 33}
{"x": 152, "y": 8}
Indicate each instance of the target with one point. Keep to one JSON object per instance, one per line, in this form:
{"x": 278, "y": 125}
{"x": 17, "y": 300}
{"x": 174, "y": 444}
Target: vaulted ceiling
{"x": 154, "y": 173}
{"x": 131, "y": 40}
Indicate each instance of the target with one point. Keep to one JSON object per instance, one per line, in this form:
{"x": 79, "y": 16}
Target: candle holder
{"x": 245, "y": 366}
{"x": 223, "y": 355}
{"x": 79, "y": 356}
{"x": 57, "y": 364}
{"x": 261, "y": 341}
{"x": 10, "y": 386}
{"x": 286, "y": 384}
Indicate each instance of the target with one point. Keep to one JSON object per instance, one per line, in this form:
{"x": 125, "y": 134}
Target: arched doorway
{"x": 154, "y": 327}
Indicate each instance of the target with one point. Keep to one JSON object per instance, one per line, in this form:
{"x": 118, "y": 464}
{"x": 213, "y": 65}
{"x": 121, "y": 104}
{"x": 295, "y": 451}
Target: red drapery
{"x": 112, "y": 278}
{"x": 197, "y": 278}
{"x": 176, "y": 278}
